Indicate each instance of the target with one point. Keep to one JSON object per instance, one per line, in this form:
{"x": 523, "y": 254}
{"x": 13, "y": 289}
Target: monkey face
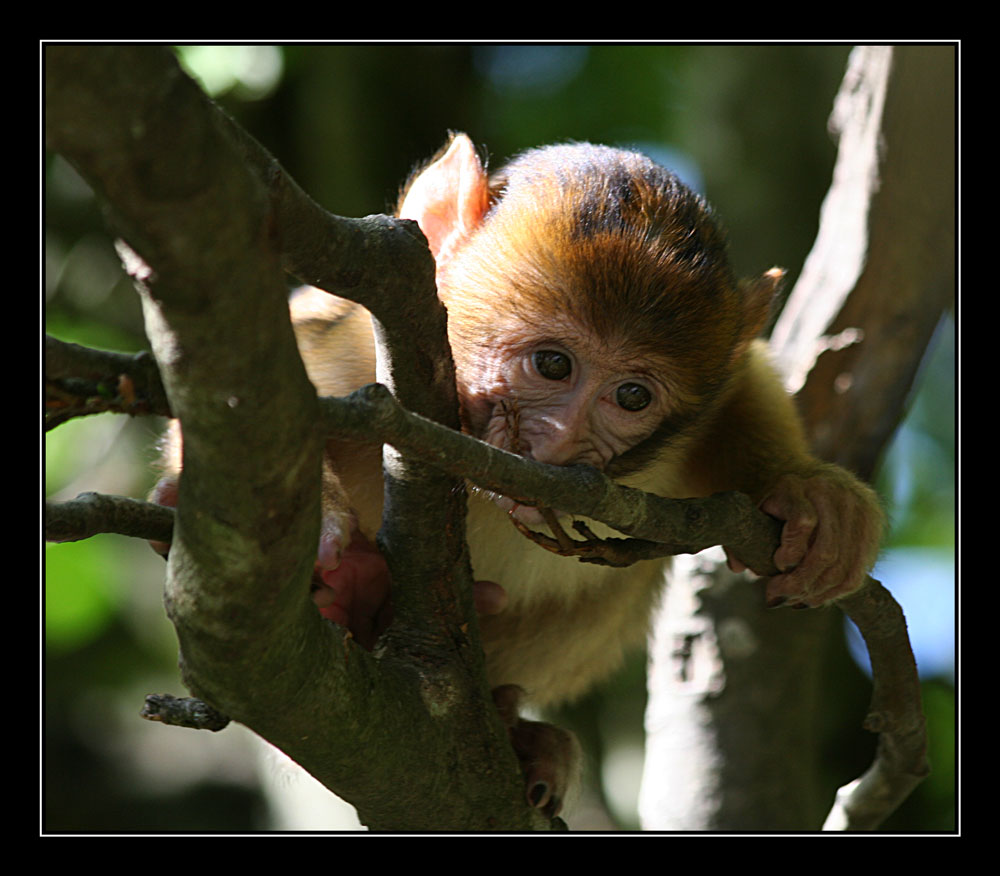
{"x": 562, "y": 398}
{"x": 592, "y": 313}
{"x": 563, "y": 401}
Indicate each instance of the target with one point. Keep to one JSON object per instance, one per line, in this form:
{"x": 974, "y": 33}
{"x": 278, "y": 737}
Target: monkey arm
{"x": 833, "y": 523}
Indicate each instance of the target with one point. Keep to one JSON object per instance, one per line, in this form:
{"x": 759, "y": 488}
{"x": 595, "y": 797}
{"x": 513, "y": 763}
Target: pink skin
{"x": 164, "y": 493}
{"x": 351, "y": 586}
{"x": 573, "y": 419}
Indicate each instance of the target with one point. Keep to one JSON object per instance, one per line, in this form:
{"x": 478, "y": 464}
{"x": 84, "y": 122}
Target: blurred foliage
{"x": 744, "y": 124}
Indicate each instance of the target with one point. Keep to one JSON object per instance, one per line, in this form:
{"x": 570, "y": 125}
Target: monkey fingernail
{"x": 538, "y": 794}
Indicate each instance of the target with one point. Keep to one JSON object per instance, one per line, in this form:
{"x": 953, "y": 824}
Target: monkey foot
{"x": 550, "y": 757}
{"x": 351, "y": 586}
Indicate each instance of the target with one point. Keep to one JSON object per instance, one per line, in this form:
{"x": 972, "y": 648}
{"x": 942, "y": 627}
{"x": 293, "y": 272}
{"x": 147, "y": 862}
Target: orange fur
{"x": 607, "y": 259}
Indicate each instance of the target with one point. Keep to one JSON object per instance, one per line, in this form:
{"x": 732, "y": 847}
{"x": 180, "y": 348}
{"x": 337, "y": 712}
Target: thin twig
{"x": 93, "y": 513}
{"x": 183, "y": 712}
{"x": 895, "y": 714}
{"x": 80, "y": 381}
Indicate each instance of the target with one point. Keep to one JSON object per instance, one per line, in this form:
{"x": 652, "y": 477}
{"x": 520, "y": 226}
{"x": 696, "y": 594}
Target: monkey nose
{"x": 556, "y": 448}
{"x": 566, "y": 451}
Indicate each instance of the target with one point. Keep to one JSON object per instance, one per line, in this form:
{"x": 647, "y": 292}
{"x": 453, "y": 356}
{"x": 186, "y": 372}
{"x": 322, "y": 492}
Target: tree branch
{"x": 849, "y": 340}
{"x": 882, "y": 271}
{"x": 887, "y": 224}
{"x": 661, "y": 526}
{"x": 81, "y": 381}
{"x": 895, "y": 713}
{"x": 243, "y": 533}
{"x": 204, "y": 241}
{"x": 92, "y": 513}
{"x": 183, "y": 712}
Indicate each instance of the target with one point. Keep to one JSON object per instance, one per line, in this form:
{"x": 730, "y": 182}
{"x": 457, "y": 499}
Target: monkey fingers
{"x": 616, "y": 552}
{"x": 791, "y": 501}
{"x": 552, "y": 521}
{"x": 488, "y": 597}
{"x": 822, "y": 551}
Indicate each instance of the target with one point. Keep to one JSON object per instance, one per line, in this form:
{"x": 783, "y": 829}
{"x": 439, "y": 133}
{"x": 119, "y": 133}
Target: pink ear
{"x": 759, "y": 300}
{"x": 448, "y": 198}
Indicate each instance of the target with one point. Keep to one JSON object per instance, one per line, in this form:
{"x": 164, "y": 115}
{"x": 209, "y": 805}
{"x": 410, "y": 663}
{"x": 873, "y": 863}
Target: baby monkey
{"x": 589, "y": 291}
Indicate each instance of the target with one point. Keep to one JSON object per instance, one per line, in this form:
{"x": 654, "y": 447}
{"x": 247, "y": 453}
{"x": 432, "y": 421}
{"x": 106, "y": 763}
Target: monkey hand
{"x": 164, "y": 493}
{"x": 550, "y": 757}
{"x": 833, "y": 526}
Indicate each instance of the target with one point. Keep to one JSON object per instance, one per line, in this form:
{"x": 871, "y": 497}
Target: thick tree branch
{"x": 252, "y": 443}
{"x": 882, "y": 271}
{"x": 850, "y": 341}
{"x": 204, "y": 240}
{"x": 385, "y": 265}
{"x": 144, "y": 136}
{"x": 883, "y": 267}
{"x": 380, "y": 262}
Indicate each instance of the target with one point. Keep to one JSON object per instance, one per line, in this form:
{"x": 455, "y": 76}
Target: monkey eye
{"x": 552, "y": 364}
{"x": 633, "y": 396}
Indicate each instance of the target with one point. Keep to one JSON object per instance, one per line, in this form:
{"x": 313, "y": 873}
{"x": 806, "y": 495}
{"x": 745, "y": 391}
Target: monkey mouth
{"x": 509, "y": 438}
{"x": 526, "y": 514}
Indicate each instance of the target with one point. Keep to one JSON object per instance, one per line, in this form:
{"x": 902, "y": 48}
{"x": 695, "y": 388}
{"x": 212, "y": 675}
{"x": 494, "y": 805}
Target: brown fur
{"x": 606, "y": 255}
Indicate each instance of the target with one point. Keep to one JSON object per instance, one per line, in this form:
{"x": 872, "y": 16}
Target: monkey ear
{"x": 759, "y": 297}
{"x": 448, "y": 198}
